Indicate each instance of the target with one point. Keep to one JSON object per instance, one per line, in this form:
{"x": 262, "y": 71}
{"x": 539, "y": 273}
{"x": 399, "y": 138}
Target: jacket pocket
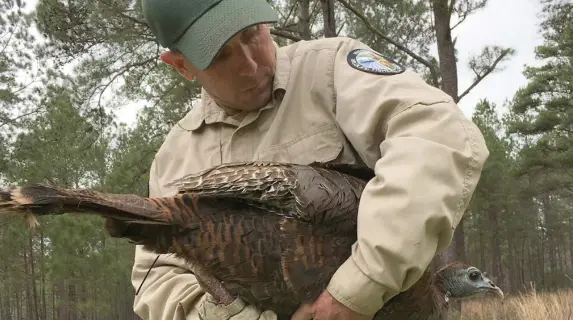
{"x": 322, "y": 144}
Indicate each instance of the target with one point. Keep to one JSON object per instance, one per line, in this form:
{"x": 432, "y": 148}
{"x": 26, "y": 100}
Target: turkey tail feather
{"x": 41, "y": 199}
{"x": 6, "y": 203}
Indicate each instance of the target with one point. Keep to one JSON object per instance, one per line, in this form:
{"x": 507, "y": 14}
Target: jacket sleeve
{"x": 170, "y": 290}
{"x": 427, "y": 157}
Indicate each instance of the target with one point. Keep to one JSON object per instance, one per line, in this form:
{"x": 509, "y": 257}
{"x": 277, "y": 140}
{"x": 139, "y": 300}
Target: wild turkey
{"x": 272, "y": 233}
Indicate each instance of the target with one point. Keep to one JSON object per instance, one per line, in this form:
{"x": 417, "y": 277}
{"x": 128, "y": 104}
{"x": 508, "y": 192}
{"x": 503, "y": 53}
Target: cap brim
{"x": 203, "y": 40}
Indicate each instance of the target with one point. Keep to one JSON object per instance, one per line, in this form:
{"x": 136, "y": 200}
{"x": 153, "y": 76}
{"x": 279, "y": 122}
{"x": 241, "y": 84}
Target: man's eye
{"x": 220, "y": 56}
{"x": 250, "y": 34}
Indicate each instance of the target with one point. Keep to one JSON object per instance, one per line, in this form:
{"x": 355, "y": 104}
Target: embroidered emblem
{"x": 373, "y": 62}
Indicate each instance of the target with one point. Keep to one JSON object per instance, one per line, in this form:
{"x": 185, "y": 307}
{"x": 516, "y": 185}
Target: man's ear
{"x": 177, "y": 61}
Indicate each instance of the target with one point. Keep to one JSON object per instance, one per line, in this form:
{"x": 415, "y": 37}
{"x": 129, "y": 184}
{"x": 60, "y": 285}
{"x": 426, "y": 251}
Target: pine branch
{"x": 480, "y": 77}
{"x": 7, "y": 41}
{"x": 15, "y": 119}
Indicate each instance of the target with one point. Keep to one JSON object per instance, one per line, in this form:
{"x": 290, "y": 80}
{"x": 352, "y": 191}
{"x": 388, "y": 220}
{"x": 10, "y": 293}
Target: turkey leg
{"x": 213, "y": 286}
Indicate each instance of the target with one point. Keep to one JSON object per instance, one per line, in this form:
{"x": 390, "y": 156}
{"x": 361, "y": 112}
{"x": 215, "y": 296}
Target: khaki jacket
{"x": 427, "y": 156}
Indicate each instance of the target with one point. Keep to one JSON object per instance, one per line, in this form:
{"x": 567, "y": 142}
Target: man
{"x": 331, "y": 99}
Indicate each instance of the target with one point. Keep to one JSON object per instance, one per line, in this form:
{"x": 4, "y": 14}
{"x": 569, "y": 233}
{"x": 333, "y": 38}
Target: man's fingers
{"x": 304, "y": 312}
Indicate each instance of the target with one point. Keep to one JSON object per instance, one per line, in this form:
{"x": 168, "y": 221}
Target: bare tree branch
{"x": 290, "y": 13}
{"x": 314, "y": 13}
{"x": 12, "y": 120}
{"x": 341, "y": 27}
{"x": 285, "y": 34}
{"x": 425, "y": 62}
{"x": 464, "y": 11}
{"x": 451, "y": 7}
{"x": 462, "y": 19}
{"x": 8, "y": 41}
{"x": 480, "y": 77}
{"x": 119, "y": 72}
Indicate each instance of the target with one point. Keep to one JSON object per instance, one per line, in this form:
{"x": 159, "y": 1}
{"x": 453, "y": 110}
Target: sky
{"x": 508, "y": 23}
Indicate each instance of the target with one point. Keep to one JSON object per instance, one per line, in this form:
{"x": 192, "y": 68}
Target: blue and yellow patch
{"x": 373, "y": 62}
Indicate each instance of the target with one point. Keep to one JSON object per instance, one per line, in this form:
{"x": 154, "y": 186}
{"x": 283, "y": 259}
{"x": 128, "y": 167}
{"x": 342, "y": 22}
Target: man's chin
{"x": 258, "y": 102}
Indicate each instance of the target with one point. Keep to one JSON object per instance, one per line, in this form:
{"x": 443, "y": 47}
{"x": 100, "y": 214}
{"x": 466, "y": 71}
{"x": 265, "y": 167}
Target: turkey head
{"x": 461, "y": 281}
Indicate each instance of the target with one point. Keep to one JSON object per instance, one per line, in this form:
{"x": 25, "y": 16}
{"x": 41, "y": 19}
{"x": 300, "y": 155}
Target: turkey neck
{"x": 445, "y": 282}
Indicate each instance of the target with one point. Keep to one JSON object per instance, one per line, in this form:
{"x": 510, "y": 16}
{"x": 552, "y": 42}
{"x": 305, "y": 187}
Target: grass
{"x": 527, "y": 306}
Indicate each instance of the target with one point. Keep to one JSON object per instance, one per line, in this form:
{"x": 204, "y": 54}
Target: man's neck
{"x": 231, "y": 111}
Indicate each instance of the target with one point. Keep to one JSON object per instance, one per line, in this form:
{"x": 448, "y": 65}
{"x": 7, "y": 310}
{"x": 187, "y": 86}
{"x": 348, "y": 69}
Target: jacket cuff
{"x": 351, "y": 287}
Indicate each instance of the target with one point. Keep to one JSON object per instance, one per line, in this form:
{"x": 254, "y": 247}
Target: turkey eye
{"x": 474, "y": 276}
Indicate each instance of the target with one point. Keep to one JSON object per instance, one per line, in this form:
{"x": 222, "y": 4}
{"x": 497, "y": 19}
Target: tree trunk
{"x": 496, "y": 246}
{"x": 64, "y": 300}
{"x": 3, "y": 306}
{"x": 43, "y": 277}
{"x": 570, "y": 260}
{"x": 16, "y": 307}
{"x": 482, "y": 258}
{"x": 304, "y": 19}
{"x": 72, "y": 304}
{"x": 34, "y": 307}
{"x": 532, "y": 267}
{"x": 27, "y": 289}
{"x": 328, "y": 17}
{"x": 540, "y": 267}
{"x": 446, "y": 50}
{"x": 523, "y": 261}
{"x": 550, "y": 223}
{"x": 55, "y": 310}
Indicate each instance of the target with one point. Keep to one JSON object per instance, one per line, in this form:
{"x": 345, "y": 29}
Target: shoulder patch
{"x": 373, "y": 62}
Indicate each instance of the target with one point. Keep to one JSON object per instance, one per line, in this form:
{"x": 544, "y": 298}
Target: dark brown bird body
{"x": 271, "y": 233}
{"x": 274, "y": 234}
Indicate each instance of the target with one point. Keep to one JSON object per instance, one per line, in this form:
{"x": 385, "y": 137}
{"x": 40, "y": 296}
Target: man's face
{"x": 241, "y": 75}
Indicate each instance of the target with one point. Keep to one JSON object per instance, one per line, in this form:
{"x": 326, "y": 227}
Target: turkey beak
{"x": 491, "y": 287}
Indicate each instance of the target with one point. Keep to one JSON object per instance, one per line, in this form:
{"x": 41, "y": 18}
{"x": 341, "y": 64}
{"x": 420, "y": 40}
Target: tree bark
{"x": 496, "y": 246}
{"x": 328, "y": 17}
{"x": 304, "y": 19}
{"x": 55, "y": 311}
{"x": 446, "y": 50}
{"x": 34, "y": 307}
{"x": 27, "y": 289}
{"x": 43, "y": 277}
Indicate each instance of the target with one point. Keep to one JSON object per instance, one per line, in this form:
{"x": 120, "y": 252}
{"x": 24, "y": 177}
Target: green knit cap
{"x": 199, "y": 28}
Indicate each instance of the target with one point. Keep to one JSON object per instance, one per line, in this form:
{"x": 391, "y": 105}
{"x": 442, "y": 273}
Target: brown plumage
{"x": 272, "y": 233}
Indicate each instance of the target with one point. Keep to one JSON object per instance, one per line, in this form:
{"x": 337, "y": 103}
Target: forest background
{"x": 85, "y": 102}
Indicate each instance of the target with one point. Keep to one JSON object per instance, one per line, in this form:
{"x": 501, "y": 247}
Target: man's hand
{"x": 237, "y": 310}
{"x": 326, "y": 307}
